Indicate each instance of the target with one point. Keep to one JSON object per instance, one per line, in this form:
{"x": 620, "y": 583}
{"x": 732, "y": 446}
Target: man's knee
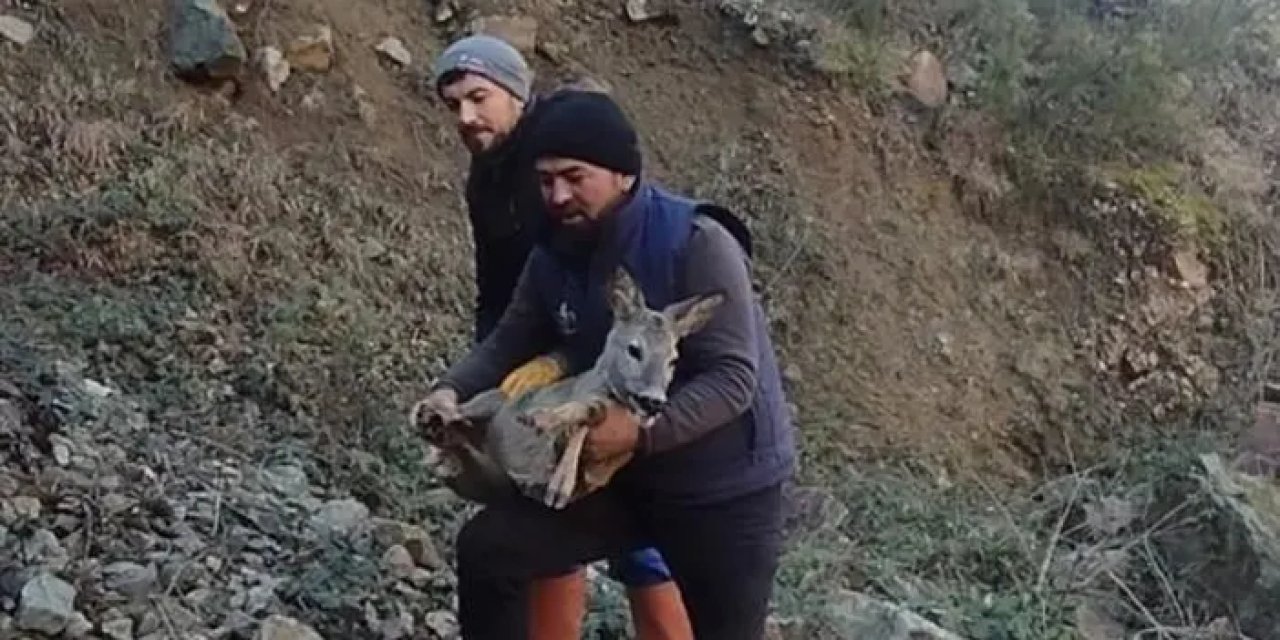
{"x": 482, "y": 542}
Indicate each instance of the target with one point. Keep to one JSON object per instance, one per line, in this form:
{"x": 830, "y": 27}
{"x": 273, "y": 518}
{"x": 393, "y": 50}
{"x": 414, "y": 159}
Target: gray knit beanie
{"x": 490, "y": 57}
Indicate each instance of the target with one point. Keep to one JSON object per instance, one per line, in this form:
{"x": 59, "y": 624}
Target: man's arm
{"x": 723, "y": 352}
{"x": 523, "y": 331}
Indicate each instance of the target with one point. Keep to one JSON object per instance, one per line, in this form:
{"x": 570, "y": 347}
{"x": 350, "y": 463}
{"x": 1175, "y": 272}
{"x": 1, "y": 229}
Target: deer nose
{"x": 649, "y": 403}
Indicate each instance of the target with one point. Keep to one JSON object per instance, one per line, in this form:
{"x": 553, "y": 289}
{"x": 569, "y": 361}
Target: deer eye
{"x": 634, "y": 351}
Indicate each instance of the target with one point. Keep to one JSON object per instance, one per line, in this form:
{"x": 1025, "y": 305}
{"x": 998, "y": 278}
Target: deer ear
{"x": 692, "y": 314}
{"x": 624, "y": 296}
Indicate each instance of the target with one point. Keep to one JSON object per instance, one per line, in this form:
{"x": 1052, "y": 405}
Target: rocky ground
{"x": 230, "y": 252}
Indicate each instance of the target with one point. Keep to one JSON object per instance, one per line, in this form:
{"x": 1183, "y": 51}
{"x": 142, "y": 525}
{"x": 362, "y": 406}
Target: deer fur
{"x": 533, "y": 444}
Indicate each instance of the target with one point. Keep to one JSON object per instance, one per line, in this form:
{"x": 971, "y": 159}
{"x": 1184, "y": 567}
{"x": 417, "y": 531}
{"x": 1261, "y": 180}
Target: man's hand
{"x": 617, "y": 433}
{"x": 539, "y": 372}
{"x": 441, "y": 405}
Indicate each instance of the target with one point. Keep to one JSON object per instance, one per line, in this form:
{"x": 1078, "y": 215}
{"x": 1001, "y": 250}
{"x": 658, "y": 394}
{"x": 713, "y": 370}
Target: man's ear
{"x": 624, "y": 296}
{"x": 691, "y": 314}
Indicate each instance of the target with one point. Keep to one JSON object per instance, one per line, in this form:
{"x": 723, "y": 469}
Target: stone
{"x": 1188, "y": 268}
{"x": 444, "y": 11}
{"x": 275, "y": 68}
{"x": 118, "y": 629}
{"x": 17, "y": 30}
{"x": 47, "y": 604}
{"x": 313, "y": 51}
{"x": 394, "y": 50}
{"x": 130, "y": 579}
{"x": 340, "y": 518}
{"x": 397, "y": 562}
{"x": 389, "y": 532}
{"x": 855, "y": 616}
{"x": 279, "y": 627}
{"x": 443, "y": 624}
{"x": 520, "y": 32}
{"x": 397, "y": 627}
{"x": 11, "y": 422}
{"x": 79, "y": 627}
{"x": 288, "y": 480}
{"x": 643, "y": 11}
{"x": 926, "y": 79}
{"x": 25, "y": 508}
{"x": 203, "y": 41}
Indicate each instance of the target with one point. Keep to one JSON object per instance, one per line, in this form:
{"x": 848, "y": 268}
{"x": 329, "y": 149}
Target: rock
{"x": 394, "y": 50}
{"x": 203, "y": 41}
{"x": 520, "y": 32}
{"x": 288, "y": 480}
{"x": 340, "y": 518}
{"x": 275, "y": 68}
{"x": 1188, "y": 268}
{"x": 79, "y": 627}
{"x": 17, "y": 30}
{"x": 312, "y": 52}
{"x": 926, "y": 80}
{"x": 854, "y": 616}
{"x": 279, "y": 627}
{"x": 118, "y": 629}
{"x": 644, "y": 11}
{"x": 25, "y": 508}
{"x": 397, "y": 627}
{"x": 47, "y": 604}
{"x": 444, "y": 11}
{"x": 414, "y": 538}
{"x": 761, "y": 37}
{"x": 10, "y": 418}
{"x": 397, "y": 562}
{"x": 442, "y": 623}
{"x": 130, "y": 579}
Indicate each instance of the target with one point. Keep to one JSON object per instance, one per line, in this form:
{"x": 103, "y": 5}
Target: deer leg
{"x": 577, "y": 412}
{"x": 565, "y": 477}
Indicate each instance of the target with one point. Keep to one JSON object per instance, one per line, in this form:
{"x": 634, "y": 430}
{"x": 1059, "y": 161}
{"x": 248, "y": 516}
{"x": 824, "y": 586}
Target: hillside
{"x": 218, "y": 299}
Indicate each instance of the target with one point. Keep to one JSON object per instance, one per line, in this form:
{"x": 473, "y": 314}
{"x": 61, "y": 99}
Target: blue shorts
{"x": 641, "y": 568}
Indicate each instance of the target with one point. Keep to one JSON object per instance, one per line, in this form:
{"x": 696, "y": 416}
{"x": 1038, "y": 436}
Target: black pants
{"x": 724, "y": 557}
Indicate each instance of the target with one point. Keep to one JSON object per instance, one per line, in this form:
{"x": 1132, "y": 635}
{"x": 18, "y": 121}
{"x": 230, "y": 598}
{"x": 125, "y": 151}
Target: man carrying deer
{"x": 704, "y": 480}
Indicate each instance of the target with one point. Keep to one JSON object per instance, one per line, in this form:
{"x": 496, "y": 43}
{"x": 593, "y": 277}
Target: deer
{"x": 532, "y": 445}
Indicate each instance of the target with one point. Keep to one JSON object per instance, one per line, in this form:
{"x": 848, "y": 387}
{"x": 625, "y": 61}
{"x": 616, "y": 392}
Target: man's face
{"x": 578, "y": 193}
{"x": 485, "y": 113}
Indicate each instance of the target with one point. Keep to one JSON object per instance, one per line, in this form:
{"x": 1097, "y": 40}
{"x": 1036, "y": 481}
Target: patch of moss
{"x": 1188, "y": 212}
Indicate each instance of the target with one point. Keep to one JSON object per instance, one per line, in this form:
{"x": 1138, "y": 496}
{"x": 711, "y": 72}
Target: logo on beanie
{"x": 566, "y": 320}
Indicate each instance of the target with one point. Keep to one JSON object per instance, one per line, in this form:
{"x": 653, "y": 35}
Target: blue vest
{"x": 650, "y": 234}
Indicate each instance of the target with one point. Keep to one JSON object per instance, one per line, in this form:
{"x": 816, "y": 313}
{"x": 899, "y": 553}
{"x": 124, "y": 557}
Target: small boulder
{"x": 415, "y": 539}
{"x": 442, "y": 623}
{"x": 203, "y": 41}
{"x": 340, "y": 518}
{"x": 279, "y": 627}
{"x": 17, "y": 30}
{"x": 926, "y": 79}
{"x": 855, "y": 616}
{"x": 313, "y": 51}
{"x": 520, "y": 32}
{"x": 275, "y": 68}
{"x": 394, "y": 50}
{"x": 79, "y": 627}
{"x": 118, "y": 629}
{"x": 129, "y": 579}
{"x": 398, "y": 563}
{"x": 47, "y": 604}
{"x": 645, "y": 10}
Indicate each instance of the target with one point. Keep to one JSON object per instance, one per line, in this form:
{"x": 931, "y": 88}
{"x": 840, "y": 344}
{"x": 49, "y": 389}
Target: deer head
{"x": 639, "y": 355}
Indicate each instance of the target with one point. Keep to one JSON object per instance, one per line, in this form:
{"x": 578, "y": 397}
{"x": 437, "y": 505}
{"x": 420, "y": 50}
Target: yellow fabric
{"x": 538, "y": 372}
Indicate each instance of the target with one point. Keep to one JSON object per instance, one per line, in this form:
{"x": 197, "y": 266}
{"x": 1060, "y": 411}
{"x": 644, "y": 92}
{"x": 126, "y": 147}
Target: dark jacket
{"x": 505, "y": 209}
{"x": 726, "y": 430}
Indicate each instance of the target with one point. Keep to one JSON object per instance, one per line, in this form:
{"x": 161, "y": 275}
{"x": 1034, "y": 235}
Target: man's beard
{"x": 576, "y": 240}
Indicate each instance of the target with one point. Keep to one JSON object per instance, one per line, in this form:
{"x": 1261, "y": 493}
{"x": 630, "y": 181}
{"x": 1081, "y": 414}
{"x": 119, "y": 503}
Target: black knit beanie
{"x": 587, "y": 126}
